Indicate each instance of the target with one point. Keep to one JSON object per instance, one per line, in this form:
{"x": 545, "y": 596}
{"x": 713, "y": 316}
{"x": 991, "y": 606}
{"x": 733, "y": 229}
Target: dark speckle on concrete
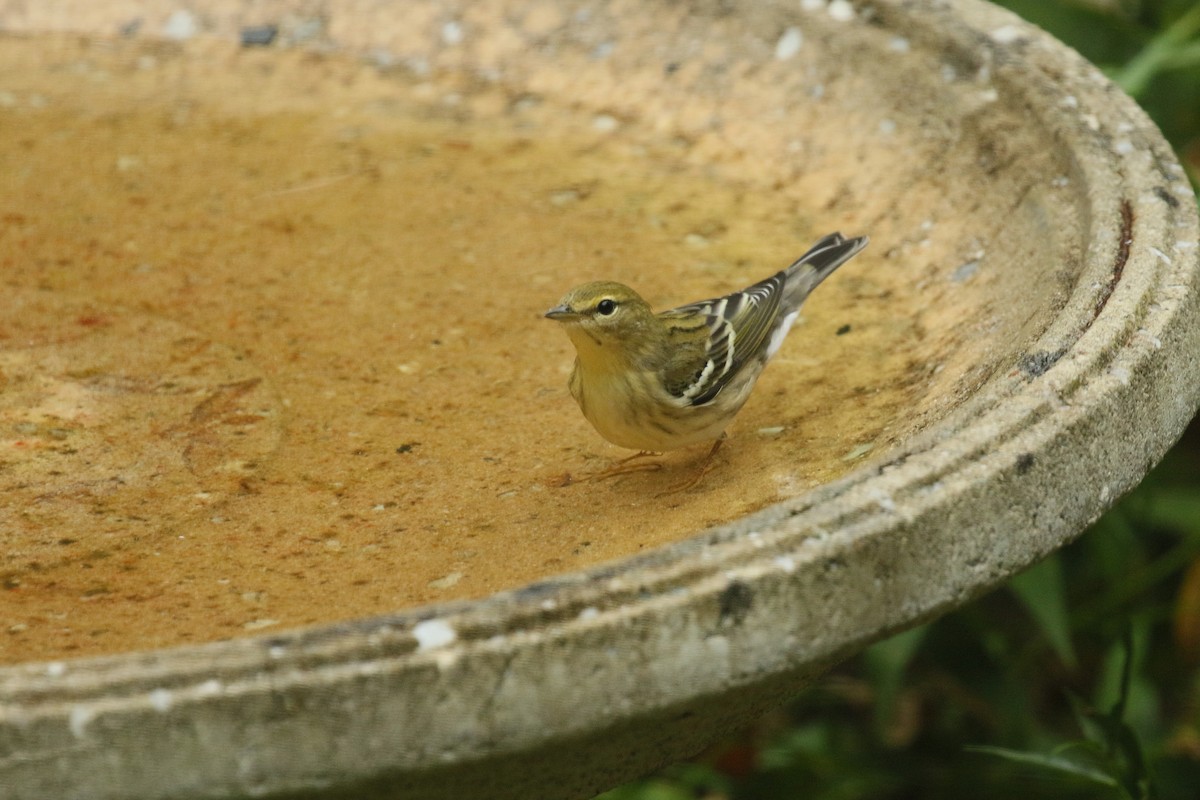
{"x": 1025, "y": 462}
{"x": 259, "y": 35}
{"x": 1035, "y": 364}
{"x": 1165, "y": 195}
{"x": 735, "y": 603}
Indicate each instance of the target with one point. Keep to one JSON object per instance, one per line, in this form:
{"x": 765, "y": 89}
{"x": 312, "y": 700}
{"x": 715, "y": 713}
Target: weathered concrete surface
{"x": 566, "y": 687}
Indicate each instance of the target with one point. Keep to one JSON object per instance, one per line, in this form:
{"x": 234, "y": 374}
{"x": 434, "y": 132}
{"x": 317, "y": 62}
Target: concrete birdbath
{"x": 289, "y": 475}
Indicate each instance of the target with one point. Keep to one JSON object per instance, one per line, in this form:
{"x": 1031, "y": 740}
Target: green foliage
{"x": 1151, "y": 48}
{"x": 1042, "y": 591}
{"x": 1110, "y": 754}
{"x": 989, "y": 702}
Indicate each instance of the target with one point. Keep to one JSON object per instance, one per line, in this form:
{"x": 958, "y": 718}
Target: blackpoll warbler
{"x": 656, "y": 382}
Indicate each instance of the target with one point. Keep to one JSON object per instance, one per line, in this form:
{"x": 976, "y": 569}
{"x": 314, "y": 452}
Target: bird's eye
{"x": 606, "y": 307}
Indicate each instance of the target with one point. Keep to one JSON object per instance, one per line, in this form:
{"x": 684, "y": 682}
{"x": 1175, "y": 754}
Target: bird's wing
{"x": 745, "y": 325}
{"x": 738, "y": 325}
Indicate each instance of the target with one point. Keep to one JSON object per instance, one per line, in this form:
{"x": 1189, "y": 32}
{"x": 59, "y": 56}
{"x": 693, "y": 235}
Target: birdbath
{"x": 290, "y": 481}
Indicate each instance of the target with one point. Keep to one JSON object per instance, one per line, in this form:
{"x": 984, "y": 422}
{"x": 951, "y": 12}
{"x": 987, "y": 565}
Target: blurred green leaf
{"x": 1174, "y": 507}
{"x": 1136, "y": 75}
{"x": 1054, "y": 763}
{"x": 1042, "y": 591}
{"x": 1113, "y": 545}
{"x": 886, "y": 663}
{"x": 1124, "y": 687}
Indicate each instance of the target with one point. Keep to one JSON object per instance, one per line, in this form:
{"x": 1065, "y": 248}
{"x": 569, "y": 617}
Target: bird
{"x": 654, "y": 382}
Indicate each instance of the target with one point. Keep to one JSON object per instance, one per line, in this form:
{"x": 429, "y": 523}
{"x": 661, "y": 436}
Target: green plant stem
{"x": 1135, "y": 76}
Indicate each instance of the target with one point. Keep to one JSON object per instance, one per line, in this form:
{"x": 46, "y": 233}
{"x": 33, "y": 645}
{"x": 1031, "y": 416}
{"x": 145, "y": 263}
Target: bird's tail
{"x": 818, "y": 264}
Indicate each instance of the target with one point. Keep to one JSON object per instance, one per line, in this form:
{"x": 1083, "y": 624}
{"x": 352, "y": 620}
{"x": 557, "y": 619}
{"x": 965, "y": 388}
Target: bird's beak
{"x": 562, "y": 312}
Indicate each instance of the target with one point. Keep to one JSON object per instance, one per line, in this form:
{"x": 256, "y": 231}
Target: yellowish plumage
{"x": 663, "y": 381}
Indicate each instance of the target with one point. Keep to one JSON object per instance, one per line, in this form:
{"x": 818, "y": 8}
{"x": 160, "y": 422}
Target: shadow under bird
{"x": 656, "y": 382}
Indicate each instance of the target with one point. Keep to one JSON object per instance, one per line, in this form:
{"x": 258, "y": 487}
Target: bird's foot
{"x": 705, "y": 467}
{"x": 627, "y": 466}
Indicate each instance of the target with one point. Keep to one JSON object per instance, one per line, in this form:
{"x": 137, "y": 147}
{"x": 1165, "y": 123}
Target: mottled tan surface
{"x": 271, "y": 351}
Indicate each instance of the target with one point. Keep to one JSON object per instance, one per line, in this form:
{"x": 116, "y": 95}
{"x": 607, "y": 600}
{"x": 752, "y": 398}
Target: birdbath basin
{"x": 291, "y": 496}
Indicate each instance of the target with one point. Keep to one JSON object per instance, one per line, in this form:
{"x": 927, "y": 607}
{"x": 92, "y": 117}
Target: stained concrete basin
{"x": 1014, "y": 352}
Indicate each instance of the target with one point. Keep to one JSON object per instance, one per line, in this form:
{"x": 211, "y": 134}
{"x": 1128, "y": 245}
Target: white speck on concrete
{"x": 452, "y": 33}
{"x": 446, "y": 581}
{"x": 180, "y": 25}
{"x": 603, "y": 50}
{"x": 949, "y": 73}
{"x": 1061, "y": 181}
{"x": 898, "y": 44}
{"x": 859, "y": 451}
{"x": 382, "y": 57}
{"x": 883, "y": 500}
{"x": 841, "y": 10}
{"x": 812, "y": 5}
{"x": 1070, "y": 101}
{"x": 432, "y": 634}
{"x": 210, "y": 688}
{"x": 56, "y": 669}
{"x": 259, "y": 624}
{"x": 1121, "y": 374}
{"x": 591, "y": 612}
{"x": 565, "y": 197}
{"x": 718, "y": 646}
{"x": 79, "y": 719}
{"x": 785, "y": 563}
{"x": 1161, "y": 255}
{"x": 605, "y": 123}
{"x": 307, "y": 29}
{"x": 989, "y": 95}
{"x": 887, "y": 127}
{"x": 774, "y": 430}
{"x": 789, "y": 44}
{"x": 1105, "y": 493}
{"x": 1006, "y": 34}
{"x": 1185, "y": 246}
{"x": 1123, "y": 147}
{"x": 161, "y": 700}
{"x": 1091, "y": 121}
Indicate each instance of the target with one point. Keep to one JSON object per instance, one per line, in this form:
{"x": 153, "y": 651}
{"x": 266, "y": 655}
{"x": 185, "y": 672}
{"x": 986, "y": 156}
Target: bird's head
{"x": 604, "y": 316}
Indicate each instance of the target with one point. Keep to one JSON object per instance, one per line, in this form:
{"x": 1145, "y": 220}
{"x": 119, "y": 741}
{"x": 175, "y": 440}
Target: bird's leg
{"x": 626, "y": 466}
{"x": 635, "y": 456}
{"x": 705, "y": 466}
